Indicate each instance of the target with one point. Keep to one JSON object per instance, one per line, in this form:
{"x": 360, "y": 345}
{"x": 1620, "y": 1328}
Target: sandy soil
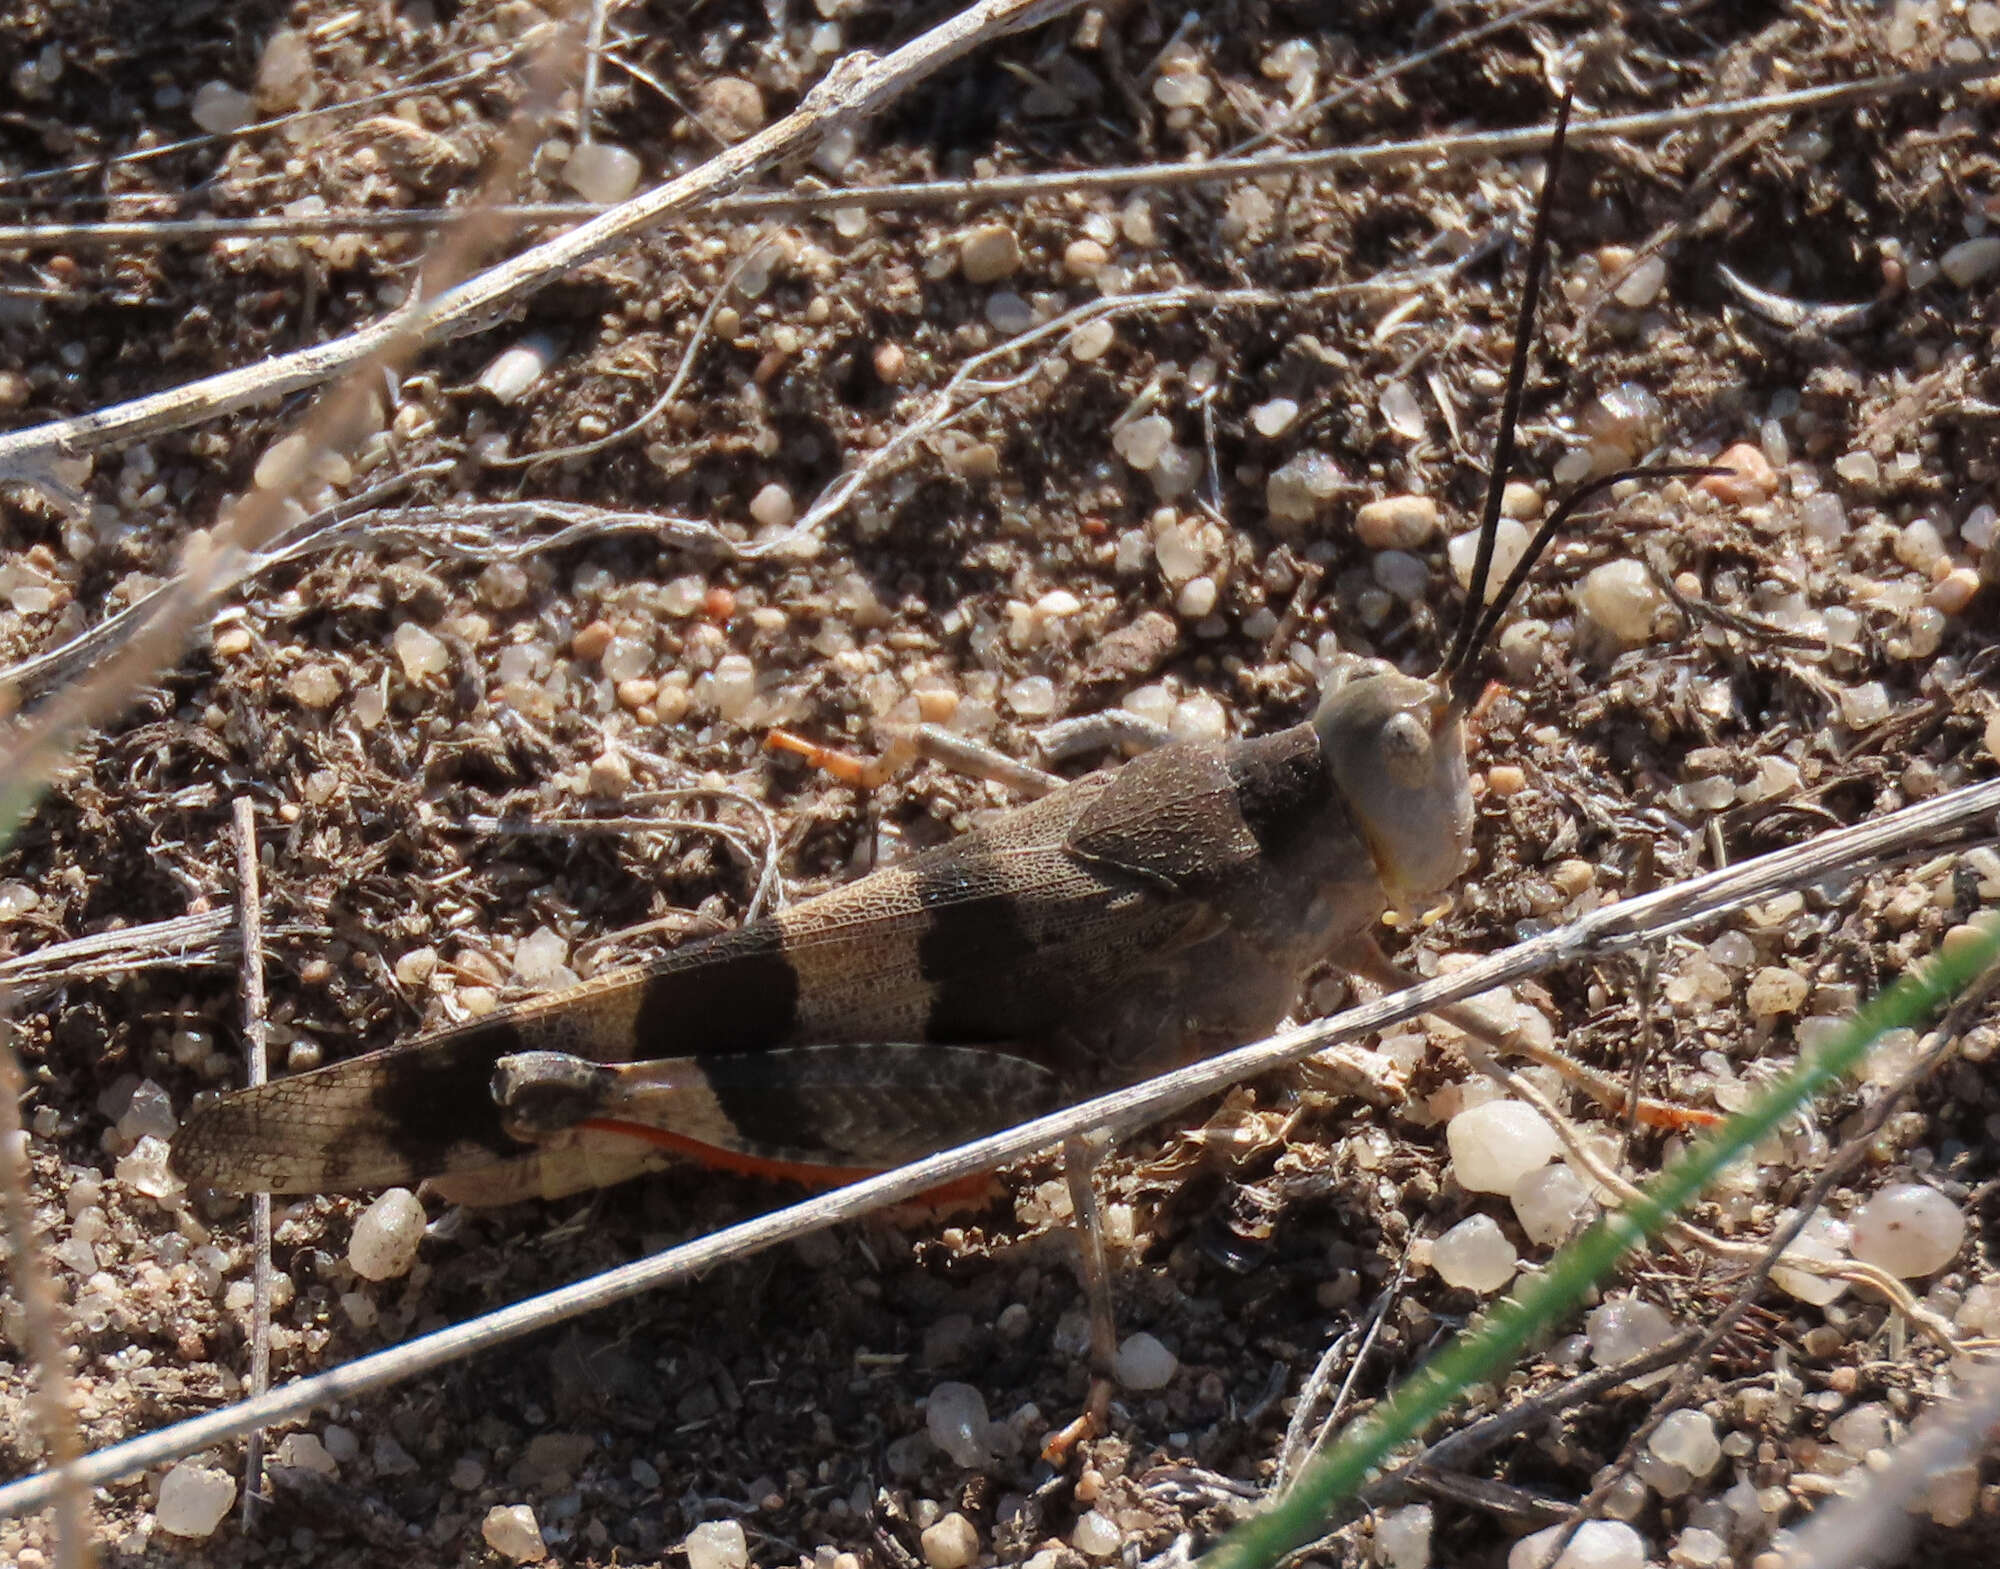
{"x": 382, "y": 701}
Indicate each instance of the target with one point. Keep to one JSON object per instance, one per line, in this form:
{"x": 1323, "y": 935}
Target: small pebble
{"x": 602, "y": 172}
{"x": 145, "y": 1169}
{"x": 1032, "y": 697}
{"x": 989, "y": 253}
{"x": 1401, "y": 411}
{"x": 1642, "y": 284}
{"x": 1475, "y": 1255}
{"x": 718, "y": 1544}
{"x": 1396, "y": 522}
{"x": 1495, "y": 1145}
{"x": 1863, "y": 704}
{"x": 952, "y": 1543}
{"x": 386, "y": 1237}
{"x": 1196, "y": 598}
{"x": 1919, "y": 546}
{"x": 1510, "y": 543}
{"x": 1622, "y": 598}
{"x": 1275, "y": 417}
{"x": 1096, "y": 1535}
{"x": 1953, "y": 593}
{"x": 1597, "y": 1544}
{"x": 1520, "y": 501}
{"x": 773, "y": 506}
{"x": 304, "y": 1452}
{"x": 420, "y": 651}
{"x": 1295, "y": 491}
{"x": 1403, "y": 1537}
{"x": 1552, "y": 1204}
{"x": 1143, "y": 1363}
{"x": 1625, "y": 1327}
{"x": 1753, "y": 483}
{"x": 284, "y": 70}
{"x": 1971, "y": 260}
{"x": 194, "y": 1499}
{"x": 1908, "y": 1229}
{"x": 1687, "y": 1439}
{"x": 511, "y": 373}
{"x": 1141, "y": 441}
{"x": 1084, "y": 258}
{"x": 219, "y": 108}
{"x": 1858, "y": 468}
{"x": 315, "y": 686}
{"x": 1823, "y": 1239}
{"x": 1774, "y": 990}
{"x": 732, "y": 107}
{"x": 955, "y": 1417}
{"x": 512, "y": 1531}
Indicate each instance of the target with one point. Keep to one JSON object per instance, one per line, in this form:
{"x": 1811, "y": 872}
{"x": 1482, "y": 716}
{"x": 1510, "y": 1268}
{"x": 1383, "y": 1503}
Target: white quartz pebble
{"x": 602, "y": 172}
{"x": 194, "y": 1499}
{"x": 1687, "y": 1439}
{"x": 718, "y": 1544}
{"x": 1493, "y": 1146}
{"x": 1144, "y": 1363}
{"x": 1552, "y": 1204}
{"x": 1625, "y": 1327}
{"x": 1597, "y": 1544}
{"x": 1096, "y": 1535}
{"x": 385, "y": 1239}
{"x": 512, "y": 1531}
{"x": 955, "y": 1416}
{"x": 1908, "y": 1230}
{"x": 1403, "y": 1537}
{"x": 950, "y": 1543}
{"x": 1475, "y": 1255}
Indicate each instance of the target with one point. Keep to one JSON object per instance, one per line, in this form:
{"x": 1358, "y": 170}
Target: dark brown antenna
{"x": 1510, "y": 405}
{"x": 1459, "y": 673}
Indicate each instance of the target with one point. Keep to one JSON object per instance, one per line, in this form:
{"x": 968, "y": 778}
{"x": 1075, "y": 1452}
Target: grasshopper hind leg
{"x": 818, "y": 1115}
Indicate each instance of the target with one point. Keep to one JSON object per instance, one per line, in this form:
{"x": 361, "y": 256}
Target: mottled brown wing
{"x": 996, "y": 938}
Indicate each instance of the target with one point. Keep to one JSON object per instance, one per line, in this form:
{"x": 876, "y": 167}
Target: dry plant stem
{"x": 184, "y": 942}
{"x": 1613, "y": 928}
{"x": 256, "y": 1044}
{"x": 858, "y": 86}
{"x": 593, "y": 53}
{"x": 1936, "y": 1047}
{"x": 41, "y": 1311}
{"x": 1298, "y": 1447}
{"x": 1870, "y": 1525}
{"x": 1460, "y": 1449}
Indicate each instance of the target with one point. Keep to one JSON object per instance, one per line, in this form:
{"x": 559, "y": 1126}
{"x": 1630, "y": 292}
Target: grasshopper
{"x": 1133, "y": 919}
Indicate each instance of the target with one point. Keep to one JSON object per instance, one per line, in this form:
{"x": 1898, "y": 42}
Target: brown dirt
{"x": 784, "y": 1391}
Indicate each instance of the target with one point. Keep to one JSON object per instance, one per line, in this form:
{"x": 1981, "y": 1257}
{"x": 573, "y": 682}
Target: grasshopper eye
{"x": 1406, "y": 750}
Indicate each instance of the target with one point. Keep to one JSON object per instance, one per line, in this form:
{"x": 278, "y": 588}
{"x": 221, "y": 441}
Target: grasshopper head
{"x": 1397, "y": 752}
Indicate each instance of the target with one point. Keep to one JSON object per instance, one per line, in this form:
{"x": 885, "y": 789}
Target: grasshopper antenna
{"x": 1464, "y": 642}
{"x": 1459, "y": 673}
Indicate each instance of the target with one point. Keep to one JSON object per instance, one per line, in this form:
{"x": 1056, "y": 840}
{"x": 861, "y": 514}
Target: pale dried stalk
{"x": 1613, "y": 928}
{"x": 256, "y": 1042}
